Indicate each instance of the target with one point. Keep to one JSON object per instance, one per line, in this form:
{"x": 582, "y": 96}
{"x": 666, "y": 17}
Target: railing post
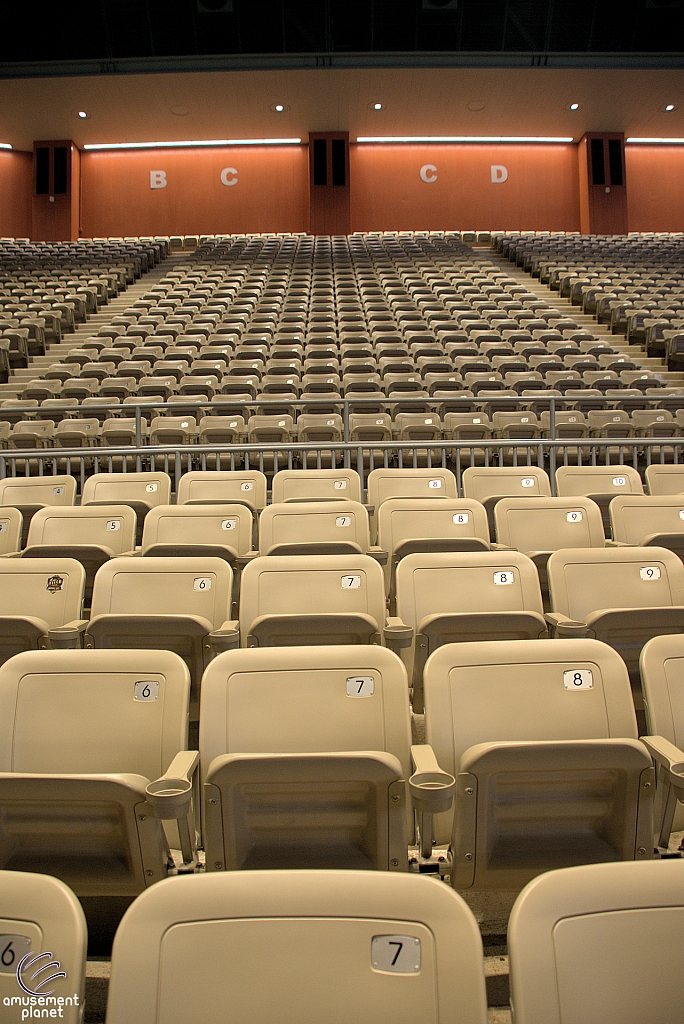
{"x": 552, "y": 447}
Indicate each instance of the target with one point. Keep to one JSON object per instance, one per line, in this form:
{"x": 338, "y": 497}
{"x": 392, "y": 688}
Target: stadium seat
{"x": 142, "y": 491}
{"x": 600, "y": 483}
{"x": 184, "y": 531}
{"x": 324, "y": 944}
{"x": 316, "y": 484}
{"x": 452, "y": 597}
{"x": 171, "y": 604}
{"x": 221, "y": 486}
{"x": 383, "y": 484}
{"x": 647, "y": 520}
{"x": 11, "y": 526}
{"x": 534, "y": 731}
{"x": 665, "y": 479}
{"x": 488, "y": 484}
{"x": 46, "y": 926}
{"x": 316, "y": 528}
{"x": 328, "y": 787}
{"x": 28, "y": 494}
{"x": 623, "y": 596}
{"x": 41, "y": 601}
{"x": 598, "y": 943}
{"x": 93, "y": 762}
{"x": 662, "y": 680}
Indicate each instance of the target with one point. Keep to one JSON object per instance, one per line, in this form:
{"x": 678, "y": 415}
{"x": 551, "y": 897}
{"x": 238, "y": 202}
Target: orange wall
{"x": 16, "y": 191}
{"x": 655, "y": 187}
{"x": 541, "y": 192}
{"x": 271, "y": 194}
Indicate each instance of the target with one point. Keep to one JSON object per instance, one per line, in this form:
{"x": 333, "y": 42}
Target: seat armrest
{"x": 397, "y": 634}
{"x": 243, "y": 560}
{"x": 565, "y": 628}
{"x": 502, "y": 547}
{"x": 370, "y": 509}
{"x": 666, "y": 754}
{"x": 226, "y": 637}
{"x": 378, "y": 554}
{"x": 170, "y": 798}
{"x": 69, "y": 636}
{"x": 432, "y": 792}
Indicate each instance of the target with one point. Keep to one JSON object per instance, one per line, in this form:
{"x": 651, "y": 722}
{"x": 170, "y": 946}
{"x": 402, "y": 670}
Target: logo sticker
{"x": 54, "y": 584}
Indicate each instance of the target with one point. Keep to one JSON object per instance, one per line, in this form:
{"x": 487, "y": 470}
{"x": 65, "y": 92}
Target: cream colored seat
{"x": 11, "y": 527}
{"x": 623, "y": 596}
{"x": 662, "y": 680}
{"x": 28, "y": 494}
{"x": 600, "y": 942}
{"x": 539, "y": 526}
{"x": 322, "y": 787}
{"x": 223, "y": 531}
{"x": 408, "y": 525}
{"x": 600, "y": 483}
{"x": 41, "y": 601}
{"x": 92, "y": 534}
{"x": 383, "y": 484}
{"x": 293, "y": 600}
{"x": 665, "y": 479}
{"x": 542, "y": 738}
{"x": 450, "y": 597}
{"x": 316, "y": 484}
{"x": 647, "y": 520}
{"x": 300, "y": 947}
{"x": 212, "y": 486}
{"x": 42, "y": 925}
{"x": 315, "y": 528}
{"x": 171, "y": 604}
{"x": 142, "y": 491}
{"x": 93, "y": 759}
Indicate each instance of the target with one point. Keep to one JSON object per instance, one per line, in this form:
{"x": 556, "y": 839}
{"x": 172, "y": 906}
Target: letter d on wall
{"x": 157, "y": 179}
{"x": 428, "y": 173}
{"x": 499, "y": 174}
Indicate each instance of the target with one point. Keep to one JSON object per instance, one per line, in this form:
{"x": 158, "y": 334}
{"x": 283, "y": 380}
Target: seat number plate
{"x": 619, "y": 481}
{"x": 434, "y": 484}
{"x": 228, "y": 524}
{"x": 248, "y": 486}
{"x": 578, "y": 679}
{"x": 527, "y": 481}
{"x": 360, "y": 686}
{"x": 351, "y": 582}
{"x": 650, "y": 572}
{"x": 146, "y": 690}
{"x": 151, "y": 488}
{"x": 460, "y": 518}
{"x": 399, "y": 954}
{"x": 504, "y": 578}
{"x": 340, "y": 485}
{"x": 201, "y": 583}
{"x": 574, "y": 517}
{"x": 343, "y": 521}
{"x": 113, "y": 524}
{"x": 12, "y": 949}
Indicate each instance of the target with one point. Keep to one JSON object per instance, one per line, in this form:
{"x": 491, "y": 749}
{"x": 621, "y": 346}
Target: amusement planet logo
{"x": 37, "y": 1003}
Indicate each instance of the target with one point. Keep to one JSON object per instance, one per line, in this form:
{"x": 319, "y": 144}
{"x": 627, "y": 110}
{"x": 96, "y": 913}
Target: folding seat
{"x": 538, "y": 526}
{"x": 315, "y": 528}
{"x": 316, "y": 485}
{"x": 665, "y": 479}
{"x": 47, "y": 922}
{"x": 600, "y": 483}
{"x": 434, "y": 970}
{"x": 222, "y": 486}
{"x": 454, "y": 596}
{"x": 646, "y": 521}
{"x": 173, "y": 430}
{"x": 430, "y": 482}
{"x": 542, "y": 737}
{"x": 142, "y": 491}
{"x": 221, "y": 430}
{"x": 623, "y": 596}
{"x": 76, "y": 801}
{"x": 11, "y": 528}
{"x": 40, "y": 601}
{"x": 598, "y": 942}
{"x": 90, "y": 534}
{"x": 298, "y": 600}
{"x": 185, "y": 531}
{"x": 28, "y": 494}
{"x": 172, "y": 604}
{"x": 488, "y": 484}
{"x": 32, "y": 434}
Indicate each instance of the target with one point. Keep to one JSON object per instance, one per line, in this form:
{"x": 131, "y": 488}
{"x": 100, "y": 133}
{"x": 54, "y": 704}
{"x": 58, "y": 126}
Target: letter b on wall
{"x": 157, "y": 179}
{"x": 499, "y": 174}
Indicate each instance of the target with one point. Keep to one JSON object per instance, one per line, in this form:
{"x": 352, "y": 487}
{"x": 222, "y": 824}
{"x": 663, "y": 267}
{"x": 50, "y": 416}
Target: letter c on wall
{"x": 428, "y": 173}
{"x": 226, "y": 178}
{"x": 499, "y": 174}
{"x": 158, "y": 179}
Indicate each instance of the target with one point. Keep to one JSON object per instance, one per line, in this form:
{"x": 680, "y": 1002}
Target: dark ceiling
{"x": 110, "y": 30}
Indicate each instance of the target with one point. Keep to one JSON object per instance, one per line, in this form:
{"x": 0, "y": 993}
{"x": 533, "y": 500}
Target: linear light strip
{"x": 201, "y": 142}
{"x": 464, "y": 138}
{"x": 658, "y": 142}
{"x": 5, "y": 145}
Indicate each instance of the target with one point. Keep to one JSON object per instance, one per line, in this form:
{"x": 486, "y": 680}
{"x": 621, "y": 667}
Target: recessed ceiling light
{"x": 669, "y": 106}
{"x": 574, "y": 106}
{"x": 279, "y": 108}
{"x": 180, "y": 111}
{"x": 377, "y": 106}
{"x": 475, "y": 105}
{"x": 82, "y": 113}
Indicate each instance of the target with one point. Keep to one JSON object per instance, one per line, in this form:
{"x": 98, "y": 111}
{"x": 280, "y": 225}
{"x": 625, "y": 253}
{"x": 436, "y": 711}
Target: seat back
{"x": 39, "y": 490}
{"x": 49, "y": 590}
{"x": 572, "y": 480}
{"x": 586, "y": 580}
{"x": 43, "y": 918}
{"x": 545, "y": 523}
{"x": 599, "y": 942}
{"x": 300, "y": 585}
{"x": 665, "y": 479}
{"x": 110, "y": 526}
{"x": 662, "y": 677}
{"x": 248, "y": 486}
{"x": 11, "y": 524}
{"x": 323, "y": 939}
{"x": 483, "y": 482}
{"x": 431, "y": 482}
{"x": 311, "y": 484}
{"x": 147, "y": 488}
{"x": 289, "y": 525}
{"x": 636, "y": 517}
{"x": 357, "y": 705}
{"x": 70, "y": 722}
{"x": 164, "y": 586}
{"x": 185, "y": 526}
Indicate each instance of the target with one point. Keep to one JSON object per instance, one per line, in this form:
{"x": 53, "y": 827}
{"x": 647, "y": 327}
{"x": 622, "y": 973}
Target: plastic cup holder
{"x": 168, "y": 797}
{"x": 432, "y": 792}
